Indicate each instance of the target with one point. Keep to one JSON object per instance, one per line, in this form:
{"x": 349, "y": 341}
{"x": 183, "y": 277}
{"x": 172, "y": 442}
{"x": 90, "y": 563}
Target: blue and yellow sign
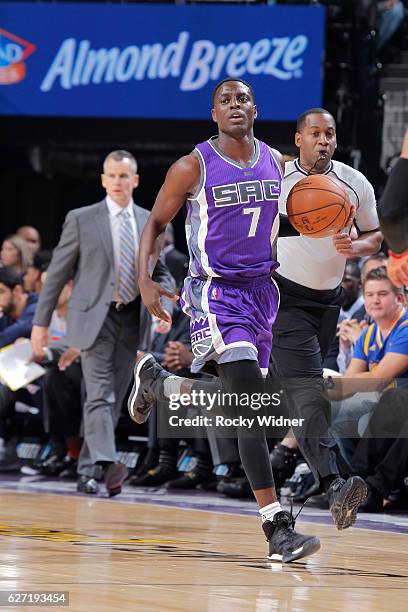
{"x": 156, "y": 61}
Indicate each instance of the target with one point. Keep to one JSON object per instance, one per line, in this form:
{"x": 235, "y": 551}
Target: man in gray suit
{"x": 106, "y": 319}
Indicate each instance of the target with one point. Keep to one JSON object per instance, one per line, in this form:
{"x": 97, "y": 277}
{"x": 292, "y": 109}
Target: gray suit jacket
{"x": 85, "y": 253}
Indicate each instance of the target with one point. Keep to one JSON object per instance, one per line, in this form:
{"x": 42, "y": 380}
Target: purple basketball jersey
{"x": 232, "y": 220}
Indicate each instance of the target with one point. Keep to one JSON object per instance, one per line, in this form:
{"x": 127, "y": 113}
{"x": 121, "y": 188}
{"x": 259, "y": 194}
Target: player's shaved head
{"x": 231, "y": 80}
{"x": 302, "y": 119}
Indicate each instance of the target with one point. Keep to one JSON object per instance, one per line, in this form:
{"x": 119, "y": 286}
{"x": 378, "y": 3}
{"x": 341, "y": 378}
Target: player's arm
{"x": 181, "y": 181}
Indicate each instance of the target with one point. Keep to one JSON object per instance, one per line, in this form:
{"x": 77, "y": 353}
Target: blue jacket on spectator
{"x": 21, "y": 328}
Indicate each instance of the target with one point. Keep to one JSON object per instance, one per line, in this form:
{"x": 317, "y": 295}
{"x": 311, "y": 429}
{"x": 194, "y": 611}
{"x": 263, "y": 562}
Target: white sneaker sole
{"x": 134, "y": 414}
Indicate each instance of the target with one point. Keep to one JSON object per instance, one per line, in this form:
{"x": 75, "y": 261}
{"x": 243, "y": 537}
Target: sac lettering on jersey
{"x": 241, "y": 193}
{"x": 232, "y": 220}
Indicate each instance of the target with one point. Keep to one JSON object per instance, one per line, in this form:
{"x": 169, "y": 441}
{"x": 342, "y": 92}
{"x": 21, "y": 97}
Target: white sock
{"x": 172, "y": 385}
{"x": 268, "y": 512}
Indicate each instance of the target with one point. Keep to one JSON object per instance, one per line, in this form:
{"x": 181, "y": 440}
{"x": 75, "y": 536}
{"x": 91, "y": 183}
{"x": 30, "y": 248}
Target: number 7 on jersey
{"x": 256, "y": 213}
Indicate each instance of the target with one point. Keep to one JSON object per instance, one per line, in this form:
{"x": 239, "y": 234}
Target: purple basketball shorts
{"x": 230, "y": 321}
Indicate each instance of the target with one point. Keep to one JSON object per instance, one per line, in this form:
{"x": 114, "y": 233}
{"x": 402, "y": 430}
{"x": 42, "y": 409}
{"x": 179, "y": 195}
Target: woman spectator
{"x": 15, "y": 253}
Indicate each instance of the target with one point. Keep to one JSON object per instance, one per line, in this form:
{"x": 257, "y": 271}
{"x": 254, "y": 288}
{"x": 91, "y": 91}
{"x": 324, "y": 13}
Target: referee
{"x": 309, "y": 279}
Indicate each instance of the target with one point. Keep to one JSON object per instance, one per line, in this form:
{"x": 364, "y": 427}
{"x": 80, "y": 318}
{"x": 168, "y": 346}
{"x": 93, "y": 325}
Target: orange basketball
{"x": 318, "y": 206}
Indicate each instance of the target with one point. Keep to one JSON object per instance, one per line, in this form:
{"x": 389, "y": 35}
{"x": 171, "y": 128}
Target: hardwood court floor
{"x": 116, "y": 556}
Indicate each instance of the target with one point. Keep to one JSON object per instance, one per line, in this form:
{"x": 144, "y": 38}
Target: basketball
{"x": 318, "y": 206}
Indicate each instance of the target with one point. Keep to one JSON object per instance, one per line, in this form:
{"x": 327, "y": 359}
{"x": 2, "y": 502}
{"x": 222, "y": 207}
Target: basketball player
{"x": 309, "y": 279}
{"x": 231, "y": 184}
{"x": 393, "y": 213}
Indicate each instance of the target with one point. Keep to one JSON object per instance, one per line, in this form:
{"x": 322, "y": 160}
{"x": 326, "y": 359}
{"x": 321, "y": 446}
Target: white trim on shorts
{"x": 279, "y": 300}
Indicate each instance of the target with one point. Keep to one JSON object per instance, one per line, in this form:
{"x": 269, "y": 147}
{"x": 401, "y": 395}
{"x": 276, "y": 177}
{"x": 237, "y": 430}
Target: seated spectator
{"x": 352, "y": 302}
{"x": 372, "y": 262}
{"x": 32, "y": 236}
{"x": 15, "y": 254}
{"x": 350, "y": 328}
{"x": 380, "y": 358}
{"x": 63, "y": 395}
{"x": 32, "y": 277}
{"x": 381, "y": 455}
{"x": 16, "y": 307}
{"x": 17, "y": 312}
{"x": 61, "y": 399}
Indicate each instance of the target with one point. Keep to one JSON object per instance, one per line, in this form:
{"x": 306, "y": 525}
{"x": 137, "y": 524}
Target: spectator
{"x": 350, "y": 328}
{"x": 15, "y": 253}
{"x": 17, "y": 307}
{"x": 351, "y": 302}
{"x": 55, "y": 353}
{"x": 63, "y": 394}
{"x": 380, "y": 357}
{"x": 32, "y": 278}
{"x": 31, "y": 236}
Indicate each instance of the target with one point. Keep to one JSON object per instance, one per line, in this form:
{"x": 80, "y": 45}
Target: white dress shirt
{"x": 115, "y": 220}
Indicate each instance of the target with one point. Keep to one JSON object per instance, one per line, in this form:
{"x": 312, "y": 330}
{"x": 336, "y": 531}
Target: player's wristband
{"x": 397, "y": 255}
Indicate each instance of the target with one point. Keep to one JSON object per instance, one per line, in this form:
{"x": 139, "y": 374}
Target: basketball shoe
{"x": 345, "y": 497}
{"x": 149, "y": 377}
{"x": 285, "y": 544}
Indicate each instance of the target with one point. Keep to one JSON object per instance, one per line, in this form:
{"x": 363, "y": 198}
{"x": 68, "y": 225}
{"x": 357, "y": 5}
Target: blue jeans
{"x": 346, "y": 416}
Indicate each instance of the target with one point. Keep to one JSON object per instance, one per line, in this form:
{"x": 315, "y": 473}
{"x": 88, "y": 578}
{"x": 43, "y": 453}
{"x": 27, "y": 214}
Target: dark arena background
{"x": 77, "y": 81}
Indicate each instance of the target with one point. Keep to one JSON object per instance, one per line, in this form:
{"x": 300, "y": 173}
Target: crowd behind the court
{"x": 58, "y": 397}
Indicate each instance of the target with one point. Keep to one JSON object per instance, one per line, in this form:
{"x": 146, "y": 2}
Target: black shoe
{"x": 148, "y": 376}
{"x": 52, "y": 465}
{"x": 154, "y": 478}
{"x": 345, "y": 497}
{"x": 235, "y": 488}
{"x": 87, "y": 485}
{"x": 283, "y": 461}
{"x": 374, "y": 501}
{"x": 285, "y": 544}
{"x": 190, "y": 480}
{"x": 115, "y": 476}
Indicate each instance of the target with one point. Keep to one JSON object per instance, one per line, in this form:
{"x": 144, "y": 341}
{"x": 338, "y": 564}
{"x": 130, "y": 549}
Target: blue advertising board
{"x": 156, "y": 61}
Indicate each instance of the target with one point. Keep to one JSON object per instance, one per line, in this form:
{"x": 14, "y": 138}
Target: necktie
{"x": 127, "y": 289}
